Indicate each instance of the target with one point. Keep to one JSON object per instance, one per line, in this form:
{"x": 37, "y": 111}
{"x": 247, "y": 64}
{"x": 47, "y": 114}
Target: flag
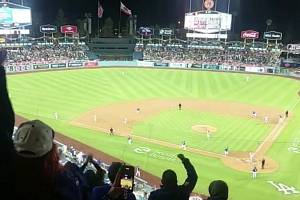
{"x": 100, "y": 10}
{"x": 125, "y": 10}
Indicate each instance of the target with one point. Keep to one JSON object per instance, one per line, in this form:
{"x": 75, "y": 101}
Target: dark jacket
{"x": 7, "y": 121}
{"x": 181, "y": 192}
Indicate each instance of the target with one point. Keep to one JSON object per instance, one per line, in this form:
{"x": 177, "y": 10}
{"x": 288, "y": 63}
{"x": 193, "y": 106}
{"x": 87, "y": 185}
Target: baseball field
{"x": 216, "y": 114}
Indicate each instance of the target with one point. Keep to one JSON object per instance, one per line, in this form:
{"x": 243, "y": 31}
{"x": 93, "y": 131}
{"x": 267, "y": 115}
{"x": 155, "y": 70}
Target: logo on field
{"x": 155, "y": 154}
{"x": 295, "y": 148}
{"x": 284, "y": 188}
{"x": 142, "y": 150}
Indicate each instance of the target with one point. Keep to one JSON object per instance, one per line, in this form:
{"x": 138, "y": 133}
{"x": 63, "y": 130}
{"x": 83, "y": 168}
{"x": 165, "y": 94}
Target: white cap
{"x": 33, "y": 139}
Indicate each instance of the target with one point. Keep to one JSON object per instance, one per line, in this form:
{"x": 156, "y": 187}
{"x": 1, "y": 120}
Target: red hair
{"x": 36, "y": 177}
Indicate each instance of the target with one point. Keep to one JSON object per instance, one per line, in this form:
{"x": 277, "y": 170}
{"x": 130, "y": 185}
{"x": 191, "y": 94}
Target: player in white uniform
{"x": 254, "y": 172}
{"x": 226, "y": 151}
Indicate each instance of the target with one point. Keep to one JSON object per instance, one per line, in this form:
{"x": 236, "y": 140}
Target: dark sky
{"x": 251, "y": 14}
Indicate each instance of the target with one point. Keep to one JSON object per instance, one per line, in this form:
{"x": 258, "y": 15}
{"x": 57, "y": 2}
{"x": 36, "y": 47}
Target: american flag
{"x": 100, "y": 10}
{"x": 125, "y": 10}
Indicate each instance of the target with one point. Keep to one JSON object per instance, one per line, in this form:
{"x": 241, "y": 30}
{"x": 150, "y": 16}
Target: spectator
{"x": 93, "y": 179}
{"x": 218, "y": 190}
{"x": 113, "y": 191}
{"x": 170, "y": 190}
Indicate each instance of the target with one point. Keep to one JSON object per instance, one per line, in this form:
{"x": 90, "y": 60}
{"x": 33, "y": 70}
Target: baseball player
{"x": 95, "y": 118}
{"x": 179, "y": 106}
{"x": 254, "y": 172}
{"x": 280, "y": 119}
{"x": 287, "y": 114}
{"x": 226, "y": 151}
{"x": 56, "y": 116}
{"x": 247, "y": 78}
{"x": 263, "y": 162}
{"x": 137, "y": 172}
{"x": 138, "y": 110}
{"x": 129, "y": 140}
{"x": 254, "y": 114}
{"x": 111, "y": 131}
{"x": 183, "y": 145}
{"x": 208, "y": 135}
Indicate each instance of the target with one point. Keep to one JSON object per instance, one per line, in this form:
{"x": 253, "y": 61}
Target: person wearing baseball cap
{"x": 33, "y": 139}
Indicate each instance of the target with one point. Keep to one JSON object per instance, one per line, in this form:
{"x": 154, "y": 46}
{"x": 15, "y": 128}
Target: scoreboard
{"x": 14, "y": 17}
{"x": 208, "y": 22}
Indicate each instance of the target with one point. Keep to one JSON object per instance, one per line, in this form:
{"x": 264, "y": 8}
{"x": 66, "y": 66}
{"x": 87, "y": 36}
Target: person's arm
{"x": 95, "y": 164}
{"x": 88, "y": 159}
{"x": 7, "y": 121}
{"x": 7, "y": 117}
{"x": 192, "y": 176}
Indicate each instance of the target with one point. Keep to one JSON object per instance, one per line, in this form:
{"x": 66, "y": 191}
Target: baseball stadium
{"x": 232, "y": 107}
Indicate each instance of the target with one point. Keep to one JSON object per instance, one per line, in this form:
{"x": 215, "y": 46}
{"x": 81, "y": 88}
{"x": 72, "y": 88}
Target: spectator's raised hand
{"x": 181, "y": 157}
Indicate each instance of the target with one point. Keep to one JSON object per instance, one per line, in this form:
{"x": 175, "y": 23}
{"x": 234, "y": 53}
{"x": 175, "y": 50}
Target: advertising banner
{"x": 22, "y": 68}
{"x": 145, "y": 31}
{"x": 48, "y": 29}
{"x": 166, "y": 32}
{"x": 249, "y": 34}
{"x": 91, "y": 64}
{"x": 75, "y": 64}
{"x": 272, "y": 35}
{"x": 293, "y": 47}
{"x": 41, "y": 66}
{"x": 68, "y": 29}
{"x": 161, "y": 64}
{"x": 58, "y": 65}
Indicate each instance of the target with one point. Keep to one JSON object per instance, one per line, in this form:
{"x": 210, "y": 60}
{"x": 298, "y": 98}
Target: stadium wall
{"x": 148, "y": 64}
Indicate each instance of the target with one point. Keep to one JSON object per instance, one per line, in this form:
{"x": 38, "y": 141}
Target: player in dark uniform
{"x": 287, "y": 114}
{"x": 179, "y": 106}
{"x": 263, "y": 162}
{"x": 111, "y": 131}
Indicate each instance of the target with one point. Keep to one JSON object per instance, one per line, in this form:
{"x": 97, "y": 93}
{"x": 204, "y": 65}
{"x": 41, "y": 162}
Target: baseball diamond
{"x": 84, "y": 104}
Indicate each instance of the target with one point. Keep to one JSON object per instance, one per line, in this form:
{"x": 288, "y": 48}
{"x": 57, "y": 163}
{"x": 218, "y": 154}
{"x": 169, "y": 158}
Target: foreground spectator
{"x": 114, "y": 190}
{"x": 218, "y": 190}
{"x": 29, "y": 165}
{"x": 170, "y": 190}
{"x": 93, "y": 179}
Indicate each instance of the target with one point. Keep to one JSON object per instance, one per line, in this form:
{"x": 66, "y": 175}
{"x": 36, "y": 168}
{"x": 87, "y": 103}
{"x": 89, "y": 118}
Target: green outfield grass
{"x": 72, "y": 93}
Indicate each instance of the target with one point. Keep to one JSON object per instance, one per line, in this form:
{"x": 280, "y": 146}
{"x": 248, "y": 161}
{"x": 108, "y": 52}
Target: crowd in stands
{"x": 46, "y": 54}
{"x": 220, "y": 56}
{"x": 34, "y": 167}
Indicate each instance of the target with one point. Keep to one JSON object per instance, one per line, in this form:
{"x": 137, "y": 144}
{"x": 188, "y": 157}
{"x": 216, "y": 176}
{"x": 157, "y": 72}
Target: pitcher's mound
{"x": 204, "y": 128}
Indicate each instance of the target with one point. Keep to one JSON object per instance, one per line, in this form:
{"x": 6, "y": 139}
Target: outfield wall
{"x": 149, "y": 64}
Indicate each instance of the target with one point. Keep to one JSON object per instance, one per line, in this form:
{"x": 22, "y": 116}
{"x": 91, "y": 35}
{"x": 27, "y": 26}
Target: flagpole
{"x": 119, "y": 19}
{"x": 98, "y": 27}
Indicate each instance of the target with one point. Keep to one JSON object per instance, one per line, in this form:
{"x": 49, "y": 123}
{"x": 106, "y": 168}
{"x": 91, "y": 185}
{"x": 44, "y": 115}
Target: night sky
{"x": 250, "y": 14}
